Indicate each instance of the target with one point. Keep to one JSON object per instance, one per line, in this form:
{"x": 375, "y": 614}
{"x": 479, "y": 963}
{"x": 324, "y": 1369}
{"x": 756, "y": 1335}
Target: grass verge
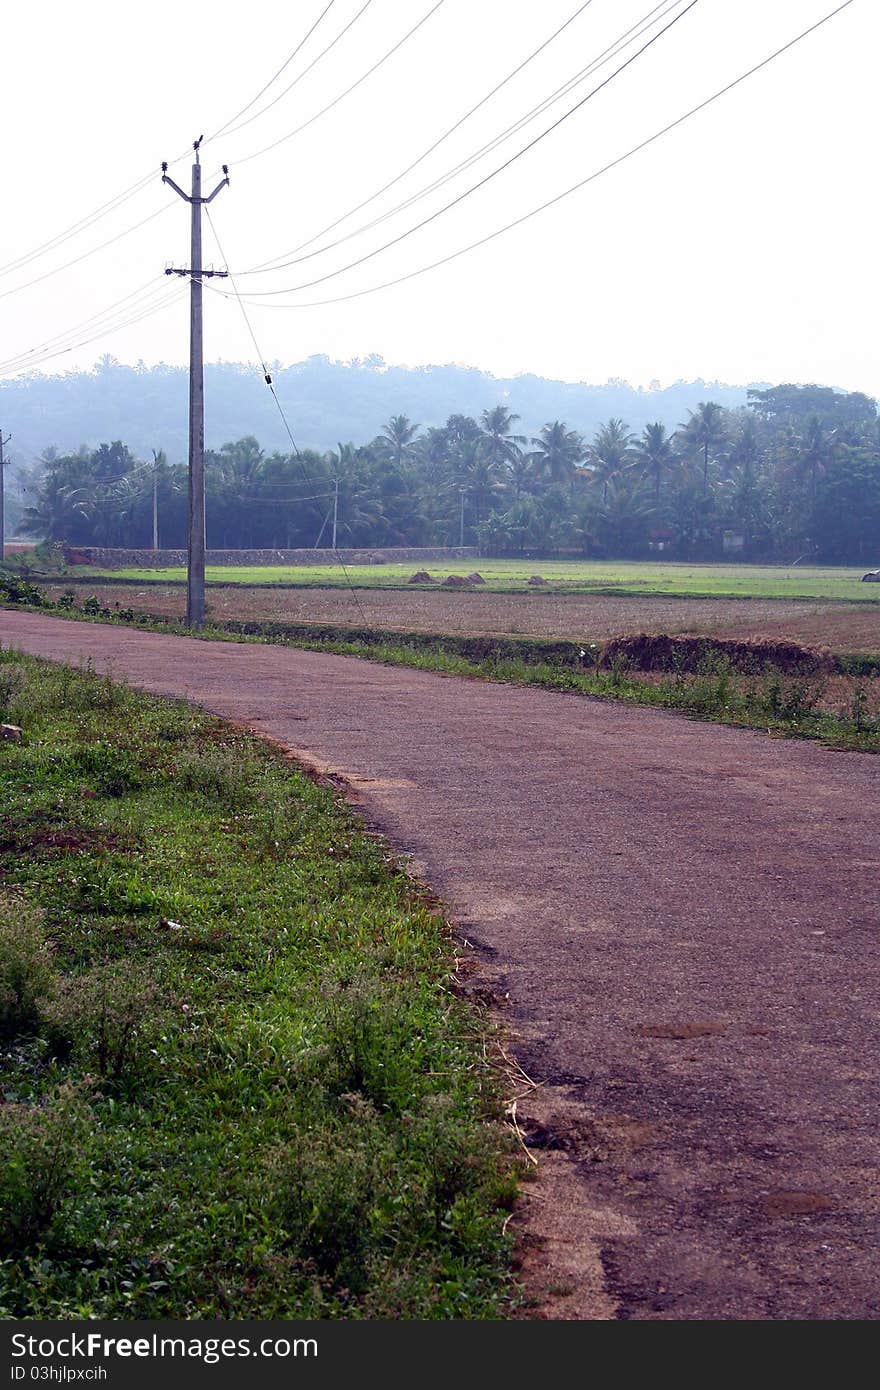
{"x": 236, "y": 1077}
{"x": 791, "y": 703}
{"x": 778, "y": 702}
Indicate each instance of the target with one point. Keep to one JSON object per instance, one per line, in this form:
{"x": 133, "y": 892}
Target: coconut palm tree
{"x": 814, "y": 454}
{"x": 625, "y": 511}
{"x": 559, "y": 451}
{"x": 655, "y": 455}
{"x": 610, "y": 452}
{"x": 398, "y": 436}
{"x": 704, "y": 430}
{"x": 501, "y": 444}
{"x": 55, "y": 512}
{"x": 479, "y": 473}
{"x": 234, "y": 477}
{"x": 521, "y": 473}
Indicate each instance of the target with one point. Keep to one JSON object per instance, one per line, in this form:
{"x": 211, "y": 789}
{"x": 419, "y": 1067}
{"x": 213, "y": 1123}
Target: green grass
{"x": 668, "y": 580}
{"x": 237, "y": 1080}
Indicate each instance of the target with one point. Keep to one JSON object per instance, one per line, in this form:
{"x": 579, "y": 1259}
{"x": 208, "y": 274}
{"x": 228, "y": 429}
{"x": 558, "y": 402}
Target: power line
{"x": 666, "y": 6}
{"x": 574, "y": 188}
{"x": 224, "y": 129}
{"x": 258, "y": 500}
{"x": 47, "y": 275}
{"x": 267, "y": 377}
{"x": 445, "y": 136}
{"x": 85, "y": 342}
{"x": 117, "y": 201}
{"x": 426, "y": 221}
{"x": 75, "y": 228}
{"x": 305, "y": 71}
{"x": 245, "y": 159}
{"x": 148, "y": 290}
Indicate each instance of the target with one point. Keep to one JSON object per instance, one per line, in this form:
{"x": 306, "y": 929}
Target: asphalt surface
{"x": 679, "y": 923}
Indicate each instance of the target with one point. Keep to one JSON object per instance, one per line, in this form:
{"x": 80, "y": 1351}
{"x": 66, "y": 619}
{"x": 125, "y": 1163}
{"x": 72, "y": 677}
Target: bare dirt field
{"x": 839, "y": 626}
{"x": 677, "y": 922}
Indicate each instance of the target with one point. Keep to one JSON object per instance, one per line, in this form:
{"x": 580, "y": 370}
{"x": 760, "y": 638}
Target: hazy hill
{"x": 326, "y": 403}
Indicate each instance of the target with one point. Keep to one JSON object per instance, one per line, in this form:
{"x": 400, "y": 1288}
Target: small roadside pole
{"x": 335, "y": 508}
{"x": 3, "y": 463}
{"x": 462, "y": 491}
{"x": 195, "y": 560}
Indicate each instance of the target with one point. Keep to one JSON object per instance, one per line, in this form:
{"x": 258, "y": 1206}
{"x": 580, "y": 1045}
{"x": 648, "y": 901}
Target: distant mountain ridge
{"x": 326, "y": 403}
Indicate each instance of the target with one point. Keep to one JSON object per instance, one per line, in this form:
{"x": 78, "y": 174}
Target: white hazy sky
{"x": 740, "y": 247}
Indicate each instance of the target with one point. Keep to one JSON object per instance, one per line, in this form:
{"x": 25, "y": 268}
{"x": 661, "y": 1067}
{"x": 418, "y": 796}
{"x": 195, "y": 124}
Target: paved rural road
{"x": 685, "y": 918}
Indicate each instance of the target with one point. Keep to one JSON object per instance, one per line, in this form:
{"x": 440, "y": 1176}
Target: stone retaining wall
{"x": 170, "y": 559}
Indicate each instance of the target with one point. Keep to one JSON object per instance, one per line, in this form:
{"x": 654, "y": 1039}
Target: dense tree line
{"x": 795, "y": 473}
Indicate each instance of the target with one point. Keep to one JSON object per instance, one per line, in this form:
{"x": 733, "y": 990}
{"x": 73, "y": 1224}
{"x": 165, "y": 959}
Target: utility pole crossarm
{"x": 224, "y": 183}
{"x": 166, "y": 178}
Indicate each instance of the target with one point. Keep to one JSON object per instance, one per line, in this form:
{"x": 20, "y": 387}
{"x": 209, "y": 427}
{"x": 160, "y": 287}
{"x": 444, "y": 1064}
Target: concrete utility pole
{"x": 3, "y": 463}
{"x": 335, "y": 508}
{"x": 195, "y": 569}
{"x": 462, "y": 491}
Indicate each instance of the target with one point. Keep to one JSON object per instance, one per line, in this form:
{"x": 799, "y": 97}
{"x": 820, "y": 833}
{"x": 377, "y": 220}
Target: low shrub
{"x": 331, "y": 1186}
{"x": 367, "y": 1031}
{"x": 109, "y": 1019}
{"x": 108, "y": 768}
{"x": 26, "y": 968}
{"x": 215, "y": 773}
{"x": 12, "y": 682}
{"x": 42, "y": 1147}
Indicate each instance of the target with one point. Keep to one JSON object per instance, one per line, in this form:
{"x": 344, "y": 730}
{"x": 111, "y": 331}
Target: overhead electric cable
{"x": 445, "y": 136}
{"x": 566, "y": 193}
{"x": 267, "y": 377}
{"x": 137, "y": 318}
{"x": 133, "y": 189}
{"x": 255, "y": 154}
{"x": 84, "y": 256}
{"x": 106, "y": 327}
{"x": 144, "y": 292}
{"x": 426, "y": 221}
{"x": 607, "y": 54}
{"x": 76, "y": 227}
{"x": 299, "y": 77}
{"x": 256, "y": 501}
{"x": 286, "y": 64}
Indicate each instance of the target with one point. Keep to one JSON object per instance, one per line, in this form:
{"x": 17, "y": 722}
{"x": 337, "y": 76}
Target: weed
{"x": 367, "y": 1036}
{"x": 42, "y": 1163}
{"x": 331, "y": 1189}
{"x": 217, "y": 774}
{"x": 858, "y": 709}
{"x": 108, "y": 768}
{"x": 26, "y": 967}
{"x": 12, "y": 680}
{"x": 108, "y": 1018}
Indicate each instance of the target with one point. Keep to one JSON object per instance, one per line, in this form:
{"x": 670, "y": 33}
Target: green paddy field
{"x": 512, "y": 576}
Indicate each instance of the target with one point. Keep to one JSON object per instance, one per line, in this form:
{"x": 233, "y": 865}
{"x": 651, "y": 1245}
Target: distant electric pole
{"x": 335, "y": 508}
{"x": 195, "y": 568}
{"x": 3, "y": 463}
{"x": 462, "y": 491}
